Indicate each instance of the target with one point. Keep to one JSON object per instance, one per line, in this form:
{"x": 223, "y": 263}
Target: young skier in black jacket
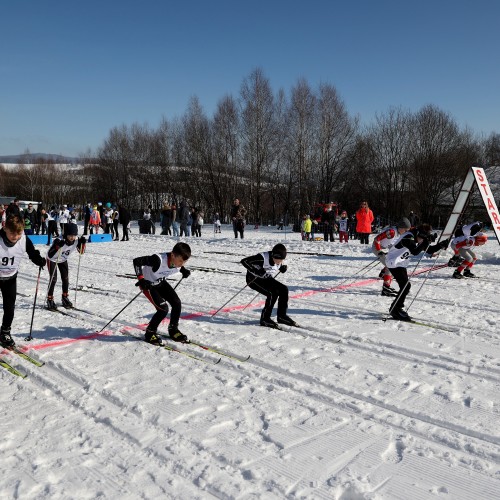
{"x": 261, "y": 271}
{"x": 152, "y": 271}
{"x": 413, "y": 242}
{"x": 57, "y": 258}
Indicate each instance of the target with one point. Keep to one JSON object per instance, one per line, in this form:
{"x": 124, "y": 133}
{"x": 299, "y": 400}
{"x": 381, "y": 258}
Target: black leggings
{"x": 63, "y": 269}
{"x": 160, "y": 296}
{"x": 401, "y": 276}
{"x": 9, "y": 292}
{"x": 273, "y": 290}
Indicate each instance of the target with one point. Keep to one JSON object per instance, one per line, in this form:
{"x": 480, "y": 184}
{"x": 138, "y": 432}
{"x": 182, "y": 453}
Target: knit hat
{"x": 404, "y": 223}
{"x": 71, "y": 229}
{"x": 279, "y": 251}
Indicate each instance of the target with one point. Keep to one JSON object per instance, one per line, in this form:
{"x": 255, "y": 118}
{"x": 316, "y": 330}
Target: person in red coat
{"x": 364, "y": 217}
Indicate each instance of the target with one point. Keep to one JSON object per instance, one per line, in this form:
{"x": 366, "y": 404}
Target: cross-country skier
{"x": 381, "y": 245}
{"x": 13, "y": 245}
{"x": 261, "y": 271}
{"x": 57, "y": 257}
{"x": 412, "y": 242}
{"x": 152, "y": 272}
{"x": 463, "y": 246}
{"x": 464, "y": 230}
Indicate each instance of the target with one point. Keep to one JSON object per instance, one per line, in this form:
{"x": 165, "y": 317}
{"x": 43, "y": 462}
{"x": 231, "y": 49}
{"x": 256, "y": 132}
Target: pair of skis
{"x": 15, "y": 350}
{"x": 175, "y": 349}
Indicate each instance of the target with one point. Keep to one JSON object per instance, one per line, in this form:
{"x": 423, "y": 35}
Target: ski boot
{"x": 457, "y": 274}
{"x": 400, "y": 314}
{"x": 176, "y": 334}
{"x": 269, "y": 323}
{"x": 152, "y": 337}
{"x": 66, "y": 302}
{"x": 51, "y": 305}
{"x": 468, "y": 274}
{"x": 388, "y": 291}
{"x": 286, "y": 320}
{"x": 5, "y": 338}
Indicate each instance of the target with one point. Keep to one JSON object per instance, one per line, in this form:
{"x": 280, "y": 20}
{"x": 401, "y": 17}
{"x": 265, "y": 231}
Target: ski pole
{"x": 121, "y": 310}
{"x": 369, "y": 265}
{"x": 49, "y": 262}
{"x": 423, "y": 282}
{"x": 178, "y": 283}
{"x": 77, "y": 275}
{"x": 237, "y": 293}
{"x": 30, "y": 336}
{"x": 258, "y": 293}
{"x": 407, "y": 283}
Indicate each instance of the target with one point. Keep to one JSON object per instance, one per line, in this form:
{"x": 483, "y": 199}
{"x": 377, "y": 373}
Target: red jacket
{"x": 364, "y": 217}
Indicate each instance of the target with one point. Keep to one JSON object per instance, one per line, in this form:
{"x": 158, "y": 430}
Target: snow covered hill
{"x": 349, "y": 407}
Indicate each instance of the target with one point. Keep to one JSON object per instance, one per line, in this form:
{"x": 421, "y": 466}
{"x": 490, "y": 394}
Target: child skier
{"x": 261, "y": 271}
{"x": 463, "y": 246}
{"x": 13, "y": 245}
{"x": 412, "y": 242}
{"x": 152, "y": 271}
{"x": 381, "y": 245}
{"x": 464, "y": 230}
{"x": 57, "y": 257}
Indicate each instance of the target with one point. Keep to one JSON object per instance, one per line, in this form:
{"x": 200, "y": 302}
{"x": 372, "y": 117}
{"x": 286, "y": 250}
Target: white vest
{"x": 162, "y": 272}
{"x": 270, "y": 270}
{"x": 10, "y": 257}
{"x": 64, "y": 252}
{"x": 398, "y": 257}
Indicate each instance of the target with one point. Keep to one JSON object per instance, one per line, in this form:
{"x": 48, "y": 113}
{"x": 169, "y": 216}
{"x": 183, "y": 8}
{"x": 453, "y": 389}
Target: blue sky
{"x": 70, "y": 71}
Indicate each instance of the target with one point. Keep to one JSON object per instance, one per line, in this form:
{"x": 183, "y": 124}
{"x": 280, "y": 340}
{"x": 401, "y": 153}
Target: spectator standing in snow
{"x": 166, "y": 219}
{"x": 413, "y": 218}
{"x": 364, "y": 217}
{"x": 238, "y": 214}
{"x": 124, "y": 216}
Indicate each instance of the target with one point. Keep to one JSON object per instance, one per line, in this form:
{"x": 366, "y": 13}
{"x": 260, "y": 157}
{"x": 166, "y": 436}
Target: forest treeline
{"x": 279, "y": 153}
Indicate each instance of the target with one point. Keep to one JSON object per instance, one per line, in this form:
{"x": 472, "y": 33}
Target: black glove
{"x": 41, "y": 262}
{"x": 144, "y": 284}
{"x": 185, "y": 272}
{"x": 82, "y": 241}
{"x": 260, "y": 272}
{"x": 444, "y": 243}
{"x": 283, "y": 268}
{"x": 433, "y": 237}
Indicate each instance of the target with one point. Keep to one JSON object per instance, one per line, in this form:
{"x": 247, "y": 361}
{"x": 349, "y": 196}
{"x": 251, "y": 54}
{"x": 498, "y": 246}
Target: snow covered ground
{"x": 393, "y": 410}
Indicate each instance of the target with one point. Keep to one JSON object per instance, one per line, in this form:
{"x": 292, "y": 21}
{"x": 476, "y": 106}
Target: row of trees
{"x": 278, "y": 153}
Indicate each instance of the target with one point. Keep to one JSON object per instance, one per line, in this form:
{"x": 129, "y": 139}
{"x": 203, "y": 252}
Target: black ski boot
{"x": 152, "y": 337}
{"x": 468, "y": 274}
{"x": 176, "y": 334}
{"x": 66, "y": 302}
{"x": 400, "y": 314}
{"x": 269, "y": 323}
{"x": 457, "y": 274}
{"x": 51, "y": 305}
{"x": 388, "y": 291}
{"x": 5, "y": 338}
{"x": 286, "y": 320}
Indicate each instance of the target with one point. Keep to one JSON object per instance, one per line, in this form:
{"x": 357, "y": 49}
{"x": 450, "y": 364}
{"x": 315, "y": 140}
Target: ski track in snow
{"x": 393, "y": 410}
